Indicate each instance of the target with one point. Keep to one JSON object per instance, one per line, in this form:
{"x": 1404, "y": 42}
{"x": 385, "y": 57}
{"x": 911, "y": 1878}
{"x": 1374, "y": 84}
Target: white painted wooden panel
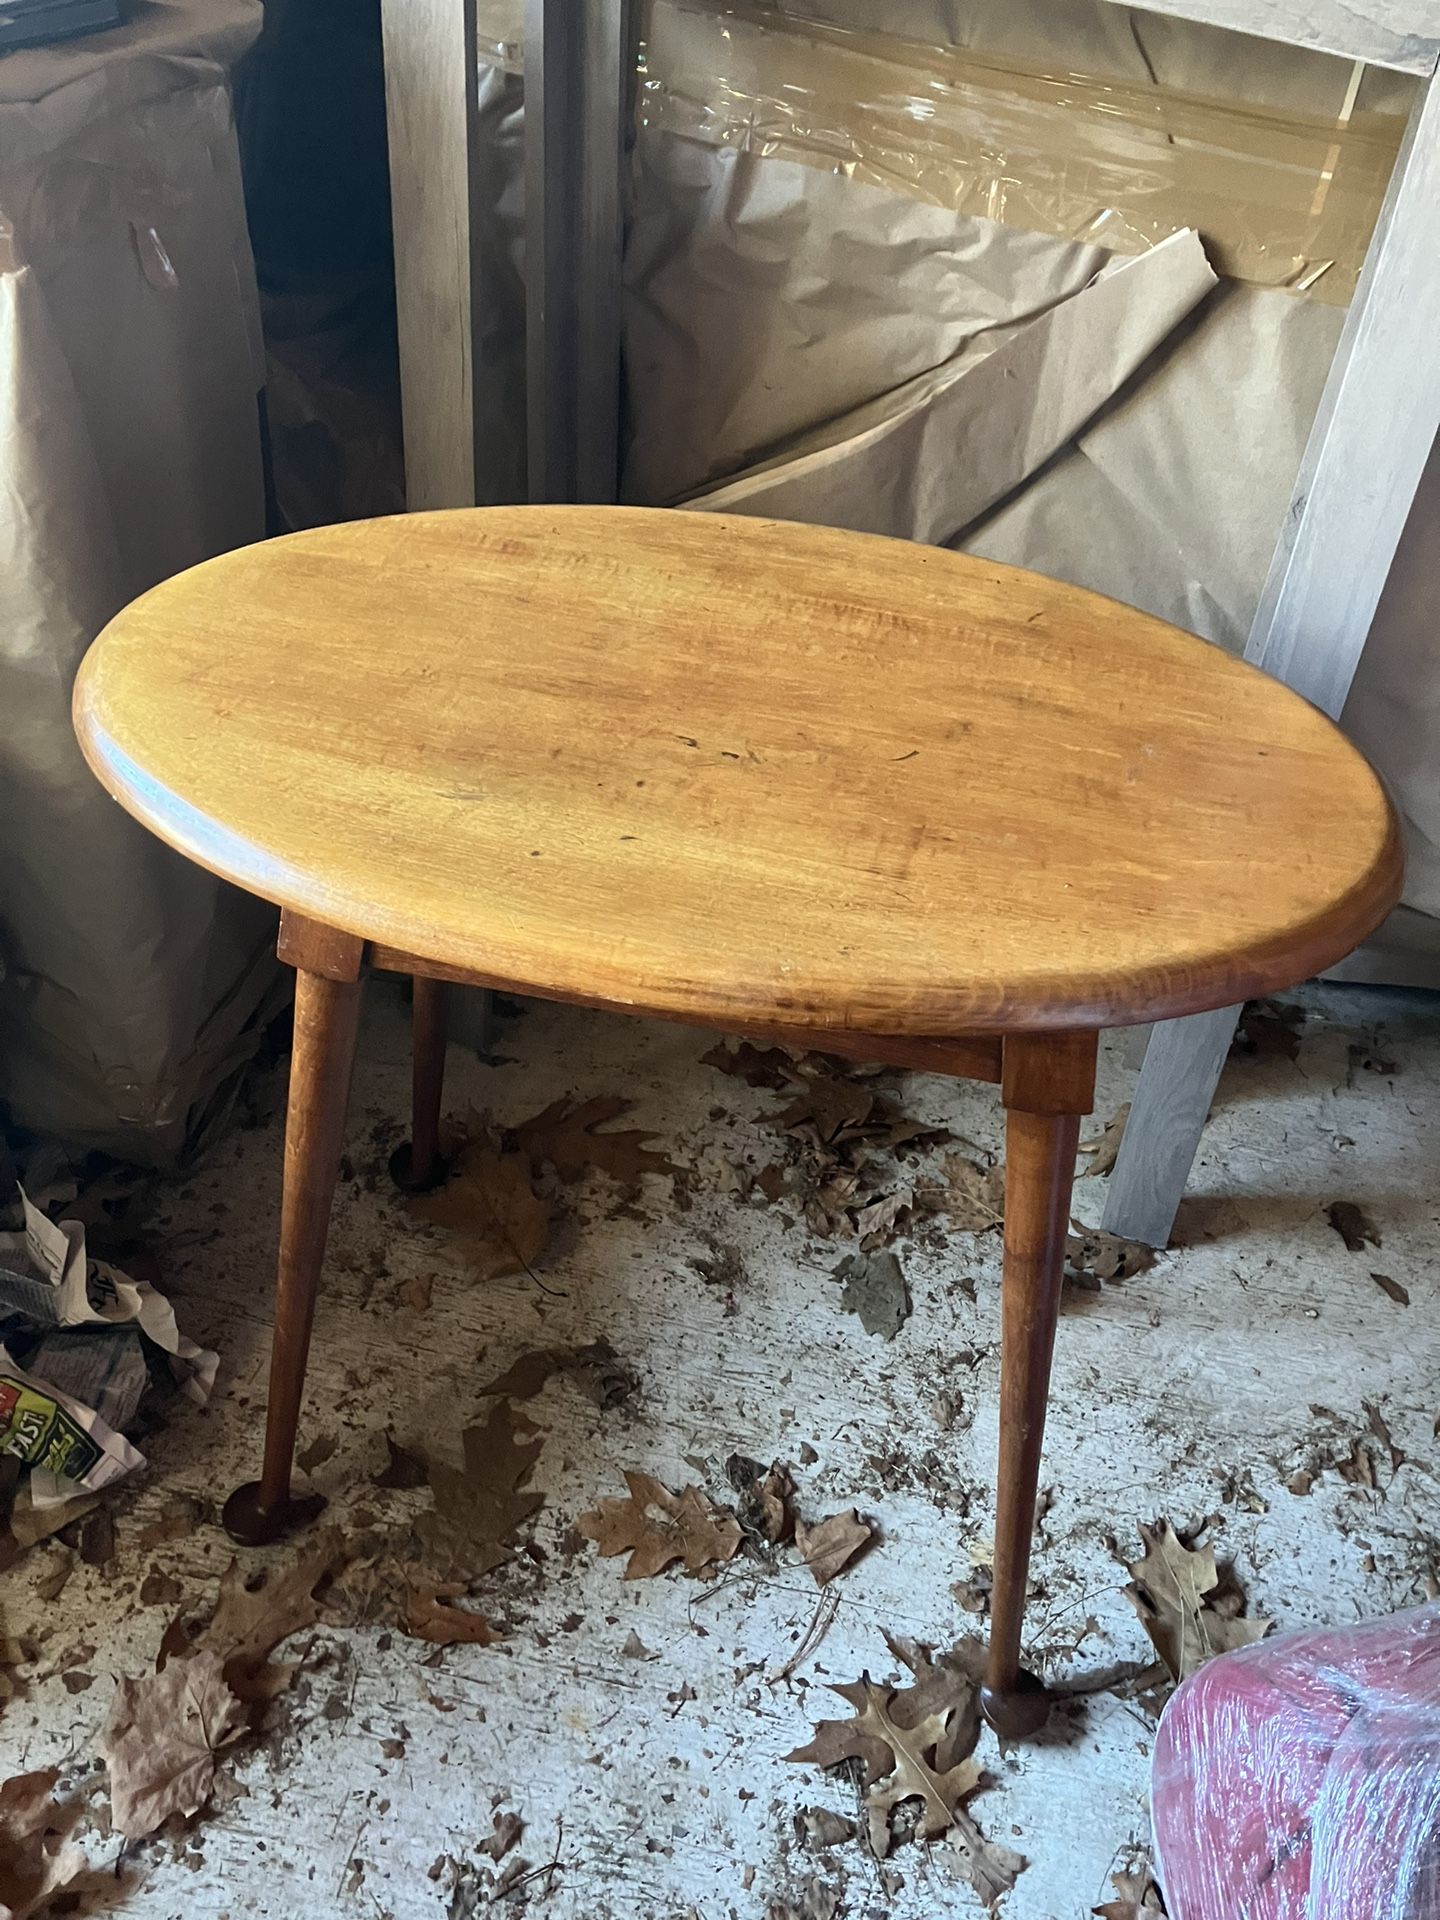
{"x": 1390, "y": 33}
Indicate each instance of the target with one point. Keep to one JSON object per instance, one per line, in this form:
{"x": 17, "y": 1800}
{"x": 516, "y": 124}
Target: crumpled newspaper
{"x": 88, "y": 1337}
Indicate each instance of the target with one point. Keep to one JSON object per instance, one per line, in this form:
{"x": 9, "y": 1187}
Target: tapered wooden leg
{"x": 417, "y": 1166}
{"x": 327, "y": 1012}
{"x": 1040, "y": 1166}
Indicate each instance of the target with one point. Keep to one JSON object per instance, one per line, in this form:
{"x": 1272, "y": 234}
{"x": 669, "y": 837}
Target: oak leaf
{"x": 1102, "y": 1149}
{"x": 429, "y": 1616}
{"x": 657, "y": 1527}
{"x": 1092, "y": 1255}
{"x": 256, "y": 1611}
{"x": 832, "y": 1543}
{"x": 1136, "y": 1898}
{"x": 568, "y": 1137}
{"x": 1189, "y": 1611}
{"x": 971, "y": 1196}
{"x": 161, "y": 1739}
{"x": 898, "y": 1761}
{"x": 36, "y": 1860}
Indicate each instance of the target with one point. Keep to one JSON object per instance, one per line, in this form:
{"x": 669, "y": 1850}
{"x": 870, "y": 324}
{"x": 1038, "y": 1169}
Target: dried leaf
{"x": 832, "y": 1543}
{"x": 765, "y": 1513}
{"x": 428, "y": 1616}
{"x": 478, "y": 1506}
{"x": 36, "y": 1861}
{"x": 161, "y": 1739}
{"x": 317, "y": 1453}
{"x": 1269, "y": 1029}
{"x": 177, "y": 1520}
{"x": 1353, "y": 1224}
{"x": 404, "y": 1468}
{"x": 1136, "y": 1898}
{"x": 1177, "y": 1592}
{"x": 771, "y": 1067}
{"x": 568, "y": 1138}
{"x": 880, "y": 1220}
{"x": 1381, "y": 1431}
{"x": 1396, "y": 1292}
{"x": 1102, "y": 1149}
{"x": 829, "y": 1110}
{"x": 596, "y": 1368}
{"x": 657, "y": 1527}
{"x": 256, "y": 1611}
{"x": 1093, "y": 1255}
{"x": 972, "y": 1196}
{"x": 899, "y": 1760}
{"x": 505, "y": 1830}
{"x": 874, "y": 1286}
{"x": 500, "y": 1224}
{"x": 988, "y": 1867}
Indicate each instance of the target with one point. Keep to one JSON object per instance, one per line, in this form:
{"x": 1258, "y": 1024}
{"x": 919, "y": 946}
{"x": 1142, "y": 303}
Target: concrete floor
{"x": 659, "y": 1787}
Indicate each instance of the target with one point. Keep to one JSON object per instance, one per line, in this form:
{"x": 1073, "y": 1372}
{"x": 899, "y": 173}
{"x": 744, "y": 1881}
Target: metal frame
{"x": 1377, "y": 420}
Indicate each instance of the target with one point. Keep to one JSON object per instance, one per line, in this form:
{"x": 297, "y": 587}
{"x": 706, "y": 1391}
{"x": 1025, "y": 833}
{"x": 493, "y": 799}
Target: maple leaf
{"x": 971, "y": 1196}
{"x": 429, "y": 1616}
{"x": 568, "y": 1137}
{"x": 1136, "y": 1898}
{"x": 657, "y": 1527}
{"x": 832, "y": 1543}
{"x": 898, "y": 1760}
{"x": 256, "y": 1610}
{"x": 161, "y": 1738}
{"x": 1103, "y": 1149}
{"x": 479, "y": 1505}
{"x": 1189, "y": 1613}
{"x": 499, "y": 1222}
{"x": 36, "y": 1860}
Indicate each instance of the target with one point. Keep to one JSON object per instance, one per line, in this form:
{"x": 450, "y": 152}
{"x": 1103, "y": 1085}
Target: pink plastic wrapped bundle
{"x": 1300, "y": 1779}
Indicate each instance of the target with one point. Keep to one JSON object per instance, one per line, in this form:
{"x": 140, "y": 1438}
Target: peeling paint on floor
{"x": 1239, "y": 1380}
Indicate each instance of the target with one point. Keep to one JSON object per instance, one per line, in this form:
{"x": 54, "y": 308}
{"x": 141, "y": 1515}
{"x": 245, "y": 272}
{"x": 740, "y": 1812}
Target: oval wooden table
{"x": 808, "y": 786}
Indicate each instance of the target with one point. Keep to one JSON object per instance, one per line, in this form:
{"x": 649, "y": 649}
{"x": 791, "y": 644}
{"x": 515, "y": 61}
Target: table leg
{"x": 1047, "y": 1073}
{"x": 327, "y": 1014}
{"x": 417, "y": 1166}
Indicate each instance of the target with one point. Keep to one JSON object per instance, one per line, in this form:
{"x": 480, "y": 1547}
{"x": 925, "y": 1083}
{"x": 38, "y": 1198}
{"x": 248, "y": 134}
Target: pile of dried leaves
{"x": 911, "y": 1749}
{"x": 657, "y": 1528}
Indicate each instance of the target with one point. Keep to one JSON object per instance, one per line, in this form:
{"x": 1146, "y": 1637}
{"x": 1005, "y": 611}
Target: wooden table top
{"x": 736, "y": 769}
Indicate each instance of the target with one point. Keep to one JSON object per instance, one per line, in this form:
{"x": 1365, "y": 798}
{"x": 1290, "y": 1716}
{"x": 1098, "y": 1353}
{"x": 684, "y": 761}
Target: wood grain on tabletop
{"x": 741, "y": 769}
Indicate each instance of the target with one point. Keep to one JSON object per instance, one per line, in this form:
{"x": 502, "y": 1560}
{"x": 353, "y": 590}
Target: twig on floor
{"x": 826, "y": 1609}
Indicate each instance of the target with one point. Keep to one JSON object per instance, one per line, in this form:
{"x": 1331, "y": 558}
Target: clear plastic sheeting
{"x": 1300, "y": 1779}
{"x": 1280, "y": 197}
{"x": 129, "y": 372}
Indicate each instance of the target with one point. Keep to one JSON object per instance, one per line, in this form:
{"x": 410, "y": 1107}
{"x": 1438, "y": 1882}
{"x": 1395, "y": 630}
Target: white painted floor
{"x": 1190, "y": 1390}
